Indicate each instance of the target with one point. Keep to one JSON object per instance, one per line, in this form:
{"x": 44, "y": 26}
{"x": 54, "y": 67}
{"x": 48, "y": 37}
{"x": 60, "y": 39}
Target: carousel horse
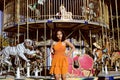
{"x": 36, "y": 60}
{"x": 89, "y": 11}
{"x": 33, "y": 7}
{"x": 81, "y": 66}
{"x": 63, "y": 13}
{"x": 18, "y": 51}
{"x": 101, "y": 56}
{"x": 115, "y": 58}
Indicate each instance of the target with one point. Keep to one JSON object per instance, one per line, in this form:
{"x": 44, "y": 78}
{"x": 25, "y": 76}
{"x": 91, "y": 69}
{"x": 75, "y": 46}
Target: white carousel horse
{"x": 89, "y": 11}
{"x": 18, "y": 50}
{"x": 63, "y": 13}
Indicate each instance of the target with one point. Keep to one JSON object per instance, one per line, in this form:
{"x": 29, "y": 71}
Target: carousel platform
{"x": 112, "y": 75}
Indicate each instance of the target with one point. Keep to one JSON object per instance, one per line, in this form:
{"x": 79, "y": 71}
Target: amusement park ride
{"x": 86, "y": 24}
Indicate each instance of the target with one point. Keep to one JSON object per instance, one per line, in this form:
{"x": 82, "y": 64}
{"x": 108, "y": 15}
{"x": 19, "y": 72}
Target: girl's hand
{"x": 69, "y": 54}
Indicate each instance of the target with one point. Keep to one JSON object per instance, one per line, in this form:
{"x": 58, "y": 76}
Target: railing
{"x": 53, "y": 9}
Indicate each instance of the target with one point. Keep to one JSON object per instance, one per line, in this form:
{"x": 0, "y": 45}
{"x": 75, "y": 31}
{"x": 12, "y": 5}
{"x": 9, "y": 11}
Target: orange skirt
{"x": 59, "y": 65}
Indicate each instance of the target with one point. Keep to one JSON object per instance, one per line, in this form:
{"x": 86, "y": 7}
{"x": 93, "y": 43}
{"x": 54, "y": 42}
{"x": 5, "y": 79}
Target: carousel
{"x": 30, "y": 24}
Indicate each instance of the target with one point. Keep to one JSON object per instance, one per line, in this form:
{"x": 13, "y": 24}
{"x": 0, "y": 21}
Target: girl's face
{"x": 59, "y": 35}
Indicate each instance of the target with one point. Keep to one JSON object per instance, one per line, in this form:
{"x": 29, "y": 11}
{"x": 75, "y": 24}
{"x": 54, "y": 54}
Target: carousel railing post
{"x": 106, "y": 70}
{"x": 116, "y": 69}
{"x": 103, "y": 69}
{"x": 9, "y": 68}
{"x": 17, "y": 62}
{"x": 18, "y": 72}
{"x": 36, "y": 72}
{"x": 116, "y": 66}
{"x": 28, "y": 70}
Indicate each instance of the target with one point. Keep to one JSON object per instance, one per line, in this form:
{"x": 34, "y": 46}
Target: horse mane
{"x": 29, "y": 47}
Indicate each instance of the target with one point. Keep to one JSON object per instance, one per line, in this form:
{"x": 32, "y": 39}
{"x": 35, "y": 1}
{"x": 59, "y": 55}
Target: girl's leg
{"x": 57, "y": 77}
{"x": 64, "y": 77}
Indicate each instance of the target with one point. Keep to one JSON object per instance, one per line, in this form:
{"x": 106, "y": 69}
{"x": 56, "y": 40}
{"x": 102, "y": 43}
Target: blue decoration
{"x": 86, "y": 22}
{"x": 49, "y": 21}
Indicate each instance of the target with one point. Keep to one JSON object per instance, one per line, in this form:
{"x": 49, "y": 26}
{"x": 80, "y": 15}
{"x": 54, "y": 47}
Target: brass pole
{"x": 45, "y": 41}
{"x": 80, "y": 40}
{"x": 118, "y": 29}
{"x": 45, "y": 47}
{"x": 18, "y": 19}
{"x": 102, "y": 20}
{"x": 112, "y": 26}
{"x": 105, "y": 28}
{"x": 37, "y": 34}
{"x": 90, "y": 32}
{"x": 49, "y": 9}
{"x": 27, "y": 22}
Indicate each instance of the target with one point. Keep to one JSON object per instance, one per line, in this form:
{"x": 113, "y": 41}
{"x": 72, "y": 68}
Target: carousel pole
{"x": 90, "y": 32}
{"x": 49, "y": 9}
{"x": 18, "y": 20}
{"x": 28, "y": 64}
{"x": 84, "y": 4}
{"x": 105, "y": 28}
{"x": 101, "y": 40}
{"x": 112, "y": 26}
{"x": 45, "y": 25}
{"x": 80, "y": 41}
{"x": 37, "y": 34}
{"x": 118, "y": 29}
{"x": 116, "y": 69}
{"x": 104, "y": 37}
{"x": 27, "y": 22}
{"x": 97, "y": 38}
{"x": 100, "y": 9}
{"x": 45, "y": 47}
{"x": 101, "y": 21}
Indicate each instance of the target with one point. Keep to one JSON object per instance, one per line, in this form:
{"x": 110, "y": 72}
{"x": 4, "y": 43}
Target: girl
{"x": 60, "y": 62}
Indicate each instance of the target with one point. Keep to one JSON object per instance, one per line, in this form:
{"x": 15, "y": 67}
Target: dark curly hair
{"x": 55, "y": 35}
